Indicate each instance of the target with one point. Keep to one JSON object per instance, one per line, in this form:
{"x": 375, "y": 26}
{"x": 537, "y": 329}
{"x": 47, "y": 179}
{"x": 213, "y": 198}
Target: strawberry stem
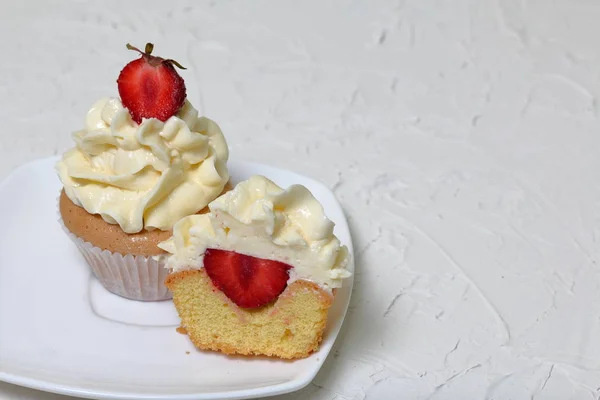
{"x": 153, "y": 59}
{"x": 149, "y": 48}
{"x": 175, "y": 63}
{"x": 130, "y": 47}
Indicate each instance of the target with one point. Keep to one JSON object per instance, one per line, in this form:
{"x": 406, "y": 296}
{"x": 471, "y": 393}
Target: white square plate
{"x": 60, "y": 331}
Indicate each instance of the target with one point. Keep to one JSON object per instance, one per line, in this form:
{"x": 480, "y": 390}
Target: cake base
{"x": 93, "y": 229}
{"x": 290, "y": 327}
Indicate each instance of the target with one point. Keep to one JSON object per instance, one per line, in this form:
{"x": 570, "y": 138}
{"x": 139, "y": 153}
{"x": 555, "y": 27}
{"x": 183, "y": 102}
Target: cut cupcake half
{"x": 257, "y": 274}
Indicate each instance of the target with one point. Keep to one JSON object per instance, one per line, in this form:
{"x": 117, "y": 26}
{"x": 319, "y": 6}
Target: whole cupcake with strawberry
{"x": 142, "y": 162}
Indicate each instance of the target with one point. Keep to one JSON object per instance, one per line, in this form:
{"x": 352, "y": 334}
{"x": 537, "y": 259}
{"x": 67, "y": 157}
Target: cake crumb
{"x": 181, "y": 330}
{"x": 187, "y": 352}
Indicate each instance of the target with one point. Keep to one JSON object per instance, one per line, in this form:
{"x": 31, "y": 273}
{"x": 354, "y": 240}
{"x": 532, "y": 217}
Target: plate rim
{"x": 269, "y": 390}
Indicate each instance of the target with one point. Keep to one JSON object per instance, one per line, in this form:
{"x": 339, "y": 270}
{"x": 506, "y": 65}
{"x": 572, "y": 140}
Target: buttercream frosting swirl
{"x": 145, "y": 176}
{"x": 260, "y": 219}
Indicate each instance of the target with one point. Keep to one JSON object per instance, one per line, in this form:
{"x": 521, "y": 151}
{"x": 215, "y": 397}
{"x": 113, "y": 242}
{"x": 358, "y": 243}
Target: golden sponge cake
{"x": 290, "y": 327}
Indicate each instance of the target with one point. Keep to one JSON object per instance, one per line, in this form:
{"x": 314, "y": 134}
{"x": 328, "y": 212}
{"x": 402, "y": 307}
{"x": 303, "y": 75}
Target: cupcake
{"x": 141, "y": 163}
{"x": 257, "y": 274}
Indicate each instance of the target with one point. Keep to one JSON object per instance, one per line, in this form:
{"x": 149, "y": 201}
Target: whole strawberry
{"x": 150, "y": 87}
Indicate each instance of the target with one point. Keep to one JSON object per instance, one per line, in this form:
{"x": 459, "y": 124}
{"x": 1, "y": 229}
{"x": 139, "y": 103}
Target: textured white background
{"x": 461, "y": 137}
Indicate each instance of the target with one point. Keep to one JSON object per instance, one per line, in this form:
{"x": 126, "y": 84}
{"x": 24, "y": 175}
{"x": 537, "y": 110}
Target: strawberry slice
{"x": 150, "y": 87}
{"x": 248, "y": 281}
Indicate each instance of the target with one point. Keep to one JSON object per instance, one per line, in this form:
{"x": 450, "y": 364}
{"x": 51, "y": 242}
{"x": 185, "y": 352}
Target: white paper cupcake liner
{"x": 133, "y": 277}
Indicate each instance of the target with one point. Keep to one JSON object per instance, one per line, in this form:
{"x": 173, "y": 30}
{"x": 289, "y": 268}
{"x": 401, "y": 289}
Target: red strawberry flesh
{"x": 150, "y": 87}
{"x": 249, "y": 282}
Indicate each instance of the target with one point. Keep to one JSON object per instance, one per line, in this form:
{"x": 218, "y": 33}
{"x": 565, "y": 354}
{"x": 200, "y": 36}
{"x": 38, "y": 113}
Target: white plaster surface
{"x": 461, "y": 137}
